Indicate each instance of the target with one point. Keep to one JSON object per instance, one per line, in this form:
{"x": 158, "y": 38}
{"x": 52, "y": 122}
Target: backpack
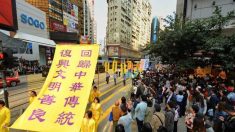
{"x": 230, "y": 124}
{"x": 161, "y": 128}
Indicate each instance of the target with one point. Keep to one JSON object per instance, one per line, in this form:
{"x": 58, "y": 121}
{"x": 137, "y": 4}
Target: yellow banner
{"x": 61, "y": 104}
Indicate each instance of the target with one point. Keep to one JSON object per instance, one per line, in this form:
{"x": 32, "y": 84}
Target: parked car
{"x": 11, "y": 80}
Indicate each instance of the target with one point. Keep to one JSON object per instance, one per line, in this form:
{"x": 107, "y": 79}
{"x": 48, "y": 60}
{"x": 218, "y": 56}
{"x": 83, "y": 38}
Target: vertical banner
{"x": 61, "y": 104}
{"x": 146, "y": 64}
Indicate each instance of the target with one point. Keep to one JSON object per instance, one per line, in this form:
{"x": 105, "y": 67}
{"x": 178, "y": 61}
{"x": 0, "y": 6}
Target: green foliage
{"x": 180, "y": 40}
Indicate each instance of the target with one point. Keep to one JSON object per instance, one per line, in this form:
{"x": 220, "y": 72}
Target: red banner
{"x": 58, "y": 27}
{"x": 8, "y": 15}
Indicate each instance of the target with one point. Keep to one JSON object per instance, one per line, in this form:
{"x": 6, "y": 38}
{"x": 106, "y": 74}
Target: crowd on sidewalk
{"x": 160, "y": 99}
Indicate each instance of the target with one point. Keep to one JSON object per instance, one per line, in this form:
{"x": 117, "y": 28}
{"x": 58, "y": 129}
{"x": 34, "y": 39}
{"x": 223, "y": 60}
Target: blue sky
{"x": 159, "y": 8}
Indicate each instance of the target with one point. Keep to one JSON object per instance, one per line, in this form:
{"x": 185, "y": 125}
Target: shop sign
{"x": 113, "y": 51}
{"x": 32, "y": 21}
{"x": 58, "y": 27}
{"x": 71, "y": 22}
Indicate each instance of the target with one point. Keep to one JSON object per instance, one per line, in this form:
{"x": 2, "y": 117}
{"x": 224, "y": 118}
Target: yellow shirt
{"x": 88, "y": 125}
{"x": 4, "y": 119}
{"x": 96, "y": 111}
{"x": 31, "y": 99}
{"x": 93, "y": 95}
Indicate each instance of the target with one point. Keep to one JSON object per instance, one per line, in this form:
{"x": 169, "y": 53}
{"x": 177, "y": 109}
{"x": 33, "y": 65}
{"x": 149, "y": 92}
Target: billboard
{"x": 8, "y": 20}
{"x": 113, "y": 51}
{"x": 71, "y": 22}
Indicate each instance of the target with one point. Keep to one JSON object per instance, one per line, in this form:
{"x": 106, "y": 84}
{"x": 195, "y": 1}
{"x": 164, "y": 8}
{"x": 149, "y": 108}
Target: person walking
{"x": 133, "y": 78}
{"x": 199, "y": 123}
{"x": 230, "y": 121}
{"x": 96, "y": 110}
{"x": 179, "y": 100}
{"x": 107, "y": 77}
{"x": 190, "y": 115}
{"x": 169, "y": 117}
{"x": 125, "y": 119}
{"x": 124, "y": 79}
{"x": 158, "y": 118}
{"x": 115, "y": 115}
{"x": 94, "y": 93}
{"x": 119, "y": 72}
{"x": 115, "y": 78}
{"x": 149, "y": 112}
{"x": 88, "y": 123}
{"x": 140, "y": 112}
{"x": 5, "y": 117}
{"x": 32, "y": 96}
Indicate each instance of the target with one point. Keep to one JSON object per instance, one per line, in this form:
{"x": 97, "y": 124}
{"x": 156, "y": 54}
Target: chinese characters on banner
{"x": 61, "y": 104}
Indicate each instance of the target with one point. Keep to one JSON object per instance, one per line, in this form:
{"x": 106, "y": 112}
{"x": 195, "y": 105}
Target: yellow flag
{"x": 61, "y": 104}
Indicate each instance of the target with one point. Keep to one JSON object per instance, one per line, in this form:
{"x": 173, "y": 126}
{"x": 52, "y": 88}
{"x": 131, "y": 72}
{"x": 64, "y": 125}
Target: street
{"x": 18, "y": 98}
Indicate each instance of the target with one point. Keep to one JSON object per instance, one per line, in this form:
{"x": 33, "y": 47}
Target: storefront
{"x": 32, "y": 30}
{"x": 115, "y": 51}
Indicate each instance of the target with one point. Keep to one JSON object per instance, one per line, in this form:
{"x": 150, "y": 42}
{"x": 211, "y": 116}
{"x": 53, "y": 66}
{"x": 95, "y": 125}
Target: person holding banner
{"x": 32, "y": 96}
{"x": 5, "y": 117}
{"x": 88, "y": 123}
{"x": 96, "y": 110}
{"x": 94, "y": 93}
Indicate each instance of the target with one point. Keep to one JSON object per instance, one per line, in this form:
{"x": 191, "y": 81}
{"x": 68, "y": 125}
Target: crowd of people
{"x": 159, "y": 99}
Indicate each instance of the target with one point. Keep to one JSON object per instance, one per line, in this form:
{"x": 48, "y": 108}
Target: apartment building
{"x": 196, "y": 9}
{"x": 128, "y": 27}
{"x": 89, "y": 20}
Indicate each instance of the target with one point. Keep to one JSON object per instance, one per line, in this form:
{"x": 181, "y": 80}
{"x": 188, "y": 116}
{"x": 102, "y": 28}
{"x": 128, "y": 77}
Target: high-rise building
{"x": 63, "y": 18}
{"x": 181, "y": 8}
{"x": 89, "y": 20}
{"x": 154, "y": 30}
{"x": 128, "y": 27}
{"x": 197, "y": 9}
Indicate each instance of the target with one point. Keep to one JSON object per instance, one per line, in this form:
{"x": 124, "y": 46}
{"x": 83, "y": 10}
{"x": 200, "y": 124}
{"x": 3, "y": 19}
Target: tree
{"x": 180, "y": 40}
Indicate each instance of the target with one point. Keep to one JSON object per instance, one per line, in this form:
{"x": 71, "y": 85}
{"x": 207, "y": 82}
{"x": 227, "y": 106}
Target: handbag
{"x": 161, "y": 128}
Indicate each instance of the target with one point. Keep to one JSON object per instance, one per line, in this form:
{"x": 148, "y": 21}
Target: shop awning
{"x": 31, "y": 38}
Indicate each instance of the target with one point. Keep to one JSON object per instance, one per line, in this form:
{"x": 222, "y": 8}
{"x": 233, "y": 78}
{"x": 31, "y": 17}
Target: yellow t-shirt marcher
{"x": 94, "y": 94}
{"x": 31, "y": 99}
{"x": 4, "y": 119}
{"x": 88, "y": 125}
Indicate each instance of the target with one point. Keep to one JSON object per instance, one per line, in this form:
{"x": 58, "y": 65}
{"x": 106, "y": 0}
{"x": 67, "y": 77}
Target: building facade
{"x": 64, "y": 18}
{"x": 128, "y": 27}
{"x": 30, "y": 43}
{"x": 89, "y": 20}
{"x": 196, "y": 9}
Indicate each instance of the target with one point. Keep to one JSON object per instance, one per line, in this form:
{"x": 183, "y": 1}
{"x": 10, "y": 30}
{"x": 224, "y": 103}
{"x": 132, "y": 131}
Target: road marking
{"x": 103, "y": 93}
{"x": 107, "y": 112}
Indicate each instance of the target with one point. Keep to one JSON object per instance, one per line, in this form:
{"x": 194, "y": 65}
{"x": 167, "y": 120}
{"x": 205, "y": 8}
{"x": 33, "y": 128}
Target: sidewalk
{"x": 31, "y": 78}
